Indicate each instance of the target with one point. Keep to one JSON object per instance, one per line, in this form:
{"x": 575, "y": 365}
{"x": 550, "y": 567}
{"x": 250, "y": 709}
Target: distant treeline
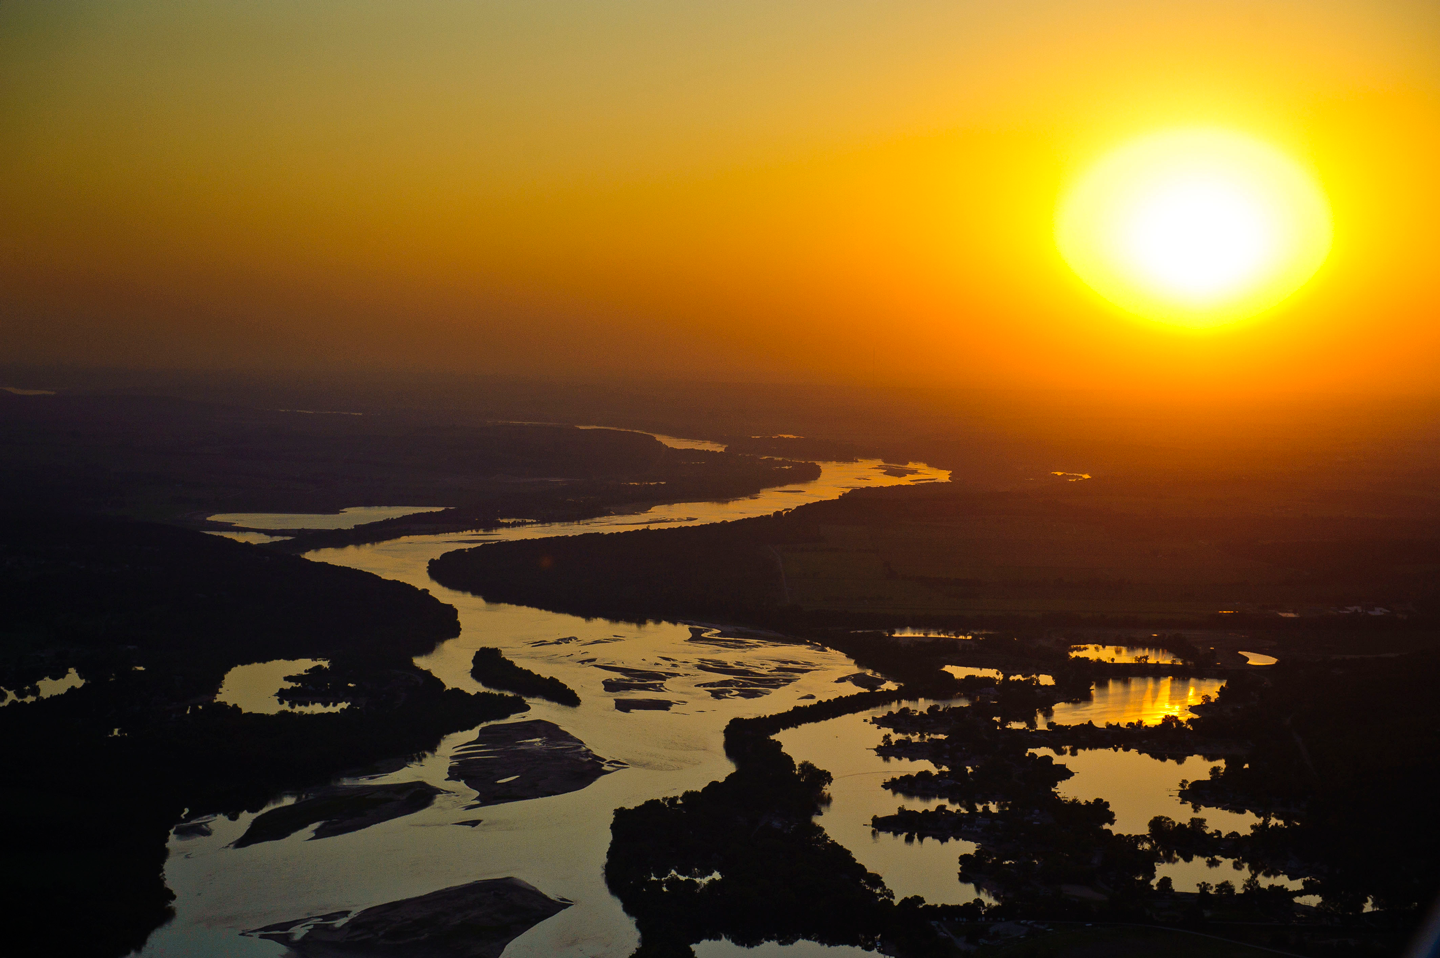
{"x": 181, "y": 460}
{"x": 732, "y": 572}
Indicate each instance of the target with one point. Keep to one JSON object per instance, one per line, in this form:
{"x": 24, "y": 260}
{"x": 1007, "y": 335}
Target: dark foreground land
{"x": 151, "y": 617}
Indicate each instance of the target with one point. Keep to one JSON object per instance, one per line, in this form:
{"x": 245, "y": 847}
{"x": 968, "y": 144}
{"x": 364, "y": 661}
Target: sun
{"x": 1198, "y": 228}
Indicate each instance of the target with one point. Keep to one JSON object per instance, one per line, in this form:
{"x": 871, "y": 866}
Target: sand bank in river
{"x": 522, "y": 760}
{"x": 340, "y": 809}
{"x": 475, "y": 920}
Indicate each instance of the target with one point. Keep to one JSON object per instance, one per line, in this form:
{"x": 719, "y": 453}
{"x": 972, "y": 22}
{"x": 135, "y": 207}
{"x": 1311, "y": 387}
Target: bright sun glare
{"x": 1197, "y": 228}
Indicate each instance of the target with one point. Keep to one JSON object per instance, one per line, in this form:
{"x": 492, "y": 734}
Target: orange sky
{"x": 834, "y": 191}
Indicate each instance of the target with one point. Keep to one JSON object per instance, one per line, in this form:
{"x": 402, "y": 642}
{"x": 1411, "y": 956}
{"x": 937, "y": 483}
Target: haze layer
{"x": 841, "y": 191}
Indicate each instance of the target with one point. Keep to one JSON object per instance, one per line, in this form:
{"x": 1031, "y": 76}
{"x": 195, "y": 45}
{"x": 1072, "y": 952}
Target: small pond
{"x": 47, "y": 688}
{"x": 252, "y": 687}
{"x": 1125, "y": 654}
{"x": 773, "y": 949}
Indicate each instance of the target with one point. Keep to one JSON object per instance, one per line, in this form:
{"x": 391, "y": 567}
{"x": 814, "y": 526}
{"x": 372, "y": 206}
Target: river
{"x": 558, "y": 843}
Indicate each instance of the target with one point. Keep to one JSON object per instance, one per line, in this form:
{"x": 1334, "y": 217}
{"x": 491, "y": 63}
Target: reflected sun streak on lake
{"x": 1146, "y": 700}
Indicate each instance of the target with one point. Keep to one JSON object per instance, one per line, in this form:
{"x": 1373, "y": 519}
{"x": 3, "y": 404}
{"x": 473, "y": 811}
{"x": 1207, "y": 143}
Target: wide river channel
{"x": 558, "y": 843}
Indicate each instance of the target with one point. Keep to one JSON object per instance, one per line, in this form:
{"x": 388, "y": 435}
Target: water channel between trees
{"x": 558, "y": 843}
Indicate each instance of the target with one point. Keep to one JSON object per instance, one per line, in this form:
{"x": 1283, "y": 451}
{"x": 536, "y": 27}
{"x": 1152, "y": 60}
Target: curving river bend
{"x": 557, "y": 843}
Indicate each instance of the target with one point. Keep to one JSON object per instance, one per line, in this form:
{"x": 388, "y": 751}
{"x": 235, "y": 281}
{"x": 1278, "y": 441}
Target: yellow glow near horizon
{"x": 1197, "y": 228}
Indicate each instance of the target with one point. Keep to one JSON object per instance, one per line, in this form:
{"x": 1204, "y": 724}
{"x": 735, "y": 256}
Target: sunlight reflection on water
{"x": 1144, "y": 699}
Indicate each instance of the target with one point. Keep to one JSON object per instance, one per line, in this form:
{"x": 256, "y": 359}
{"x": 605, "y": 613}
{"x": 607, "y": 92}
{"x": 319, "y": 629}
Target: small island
{"x": 490, "y": 668}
